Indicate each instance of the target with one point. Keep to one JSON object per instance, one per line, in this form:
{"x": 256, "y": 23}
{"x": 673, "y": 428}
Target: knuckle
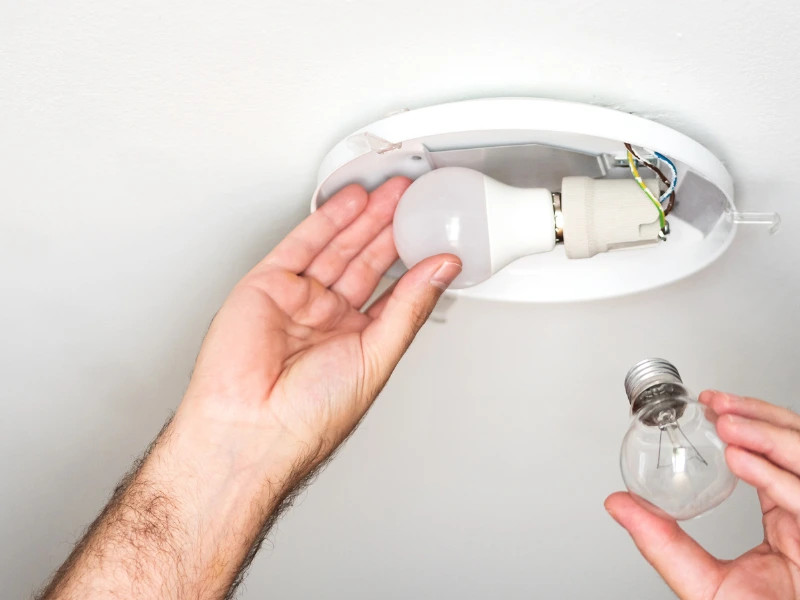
{"x": 368, "y": 263}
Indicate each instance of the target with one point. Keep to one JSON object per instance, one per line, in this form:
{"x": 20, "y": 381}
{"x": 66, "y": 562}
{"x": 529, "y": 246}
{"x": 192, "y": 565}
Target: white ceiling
{"x": 152, "y": 151}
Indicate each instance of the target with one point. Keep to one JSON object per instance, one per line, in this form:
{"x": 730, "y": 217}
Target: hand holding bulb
{"x": 764, "y": 451}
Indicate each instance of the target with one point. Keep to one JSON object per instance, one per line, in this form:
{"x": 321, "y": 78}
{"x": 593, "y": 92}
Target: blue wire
{"x": 674, "y": 183}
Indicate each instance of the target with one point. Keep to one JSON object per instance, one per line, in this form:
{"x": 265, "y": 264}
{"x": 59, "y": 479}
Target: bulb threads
{"x": 558, "y": 218}
{"x": 647, "y": 374}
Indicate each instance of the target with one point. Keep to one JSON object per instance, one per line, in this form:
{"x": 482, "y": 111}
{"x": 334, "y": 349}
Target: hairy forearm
{"x": 187, "y": 519}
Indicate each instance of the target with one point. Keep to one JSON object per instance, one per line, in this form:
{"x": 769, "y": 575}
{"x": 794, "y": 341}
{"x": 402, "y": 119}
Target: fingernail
{"x": 445, "y": 275}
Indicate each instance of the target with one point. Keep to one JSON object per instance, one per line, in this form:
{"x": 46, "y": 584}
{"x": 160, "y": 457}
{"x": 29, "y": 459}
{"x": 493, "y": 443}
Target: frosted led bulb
{"x": 487, "y": 224}
{"x": 671, "y": 456}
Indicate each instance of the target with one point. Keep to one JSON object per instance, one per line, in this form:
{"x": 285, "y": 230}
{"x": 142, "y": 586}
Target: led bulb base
{"x": 520, "y": 220}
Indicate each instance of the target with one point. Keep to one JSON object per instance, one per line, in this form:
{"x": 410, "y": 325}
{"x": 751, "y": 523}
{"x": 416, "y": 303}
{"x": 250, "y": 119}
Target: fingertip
{"x": 722, "y": 402}
{"x": 425, "y": 270}
{"x": 707, "y": 397}
{"x": 627, "y": 510}
{"x": 347, "y": 203}
{"x": 396, "y": 186}
{"x": 354, "y": 190}
{"x": 445, "y": 275}
{"x": 400, "y": 180}
{"x": 384, "y": 199}
{"x": 616, "y": 502}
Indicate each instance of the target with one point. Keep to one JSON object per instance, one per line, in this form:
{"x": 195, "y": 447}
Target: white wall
{"x": 150, "y": 152}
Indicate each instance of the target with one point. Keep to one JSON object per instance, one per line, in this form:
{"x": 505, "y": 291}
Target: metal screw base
{"x": 646, "y": 375}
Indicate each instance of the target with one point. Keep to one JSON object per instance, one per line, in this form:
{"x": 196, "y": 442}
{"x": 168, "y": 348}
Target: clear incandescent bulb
{"x": 487, "y": 224}
{"x": 671, "y": 456}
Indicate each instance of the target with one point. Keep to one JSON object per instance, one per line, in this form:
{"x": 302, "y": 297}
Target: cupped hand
{"x": 763, "y": 450}
{"x": 291, "y": 356}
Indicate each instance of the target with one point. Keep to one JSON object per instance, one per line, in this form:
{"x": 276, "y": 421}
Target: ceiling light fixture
{"x": 500, "y": 182}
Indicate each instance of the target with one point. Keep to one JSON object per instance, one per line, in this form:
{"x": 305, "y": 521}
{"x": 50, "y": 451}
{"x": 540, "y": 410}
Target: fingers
{"x": 780, "y": 486}
{"x": 362, "y": 275}
{"x": 386, "y": 339}
{"x": 781, "y": 445}
{"x": 687, "y": 568}
{"x": 334, "y": 259}
{"x": 750, "y": 427}
{"x": 307, "y": 240}
{"x": 722, "y": 404}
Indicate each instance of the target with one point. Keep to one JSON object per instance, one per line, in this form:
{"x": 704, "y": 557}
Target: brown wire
{"x": 661, "y": 176}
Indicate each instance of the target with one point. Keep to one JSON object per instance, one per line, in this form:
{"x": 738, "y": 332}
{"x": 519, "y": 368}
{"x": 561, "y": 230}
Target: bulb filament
{"x": 682, "y": 449}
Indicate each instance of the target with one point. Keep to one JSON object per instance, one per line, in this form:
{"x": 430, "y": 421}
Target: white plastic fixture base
{"x": 498, "y": 136}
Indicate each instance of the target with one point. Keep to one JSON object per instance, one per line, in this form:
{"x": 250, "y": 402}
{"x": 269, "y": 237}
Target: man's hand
{"x": 290, "y": 355}
{"x": 289, "y": 367}
{"x": 763, "y": 450}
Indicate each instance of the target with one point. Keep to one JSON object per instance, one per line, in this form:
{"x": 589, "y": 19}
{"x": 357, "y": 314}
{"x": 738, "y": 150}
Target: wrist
{"x": 198, "y": 504}
{"x": 256, "y": 462}
{"x": 204, "y": 495}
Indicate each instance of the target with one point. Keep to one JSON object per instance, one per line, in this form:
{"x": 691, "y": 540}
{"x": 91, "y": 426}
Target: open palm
{"x": 763, "y": 450}
{"x": 290, "y": 347}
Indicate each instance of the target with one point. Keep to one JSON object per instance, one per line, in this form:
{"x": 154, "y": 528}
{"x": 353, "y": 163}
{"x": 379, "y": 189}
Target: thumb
{"x": 386, "y": 339}
{"x": 691, "y": 572}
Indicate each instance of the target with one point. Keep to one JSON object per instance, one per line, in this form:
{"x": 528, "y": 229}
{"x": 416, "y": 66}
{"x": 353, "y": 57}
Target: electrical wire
{"x": 646, "y": 190}
{"x": 674, "y": 183}
{"x": 670, "y": 195}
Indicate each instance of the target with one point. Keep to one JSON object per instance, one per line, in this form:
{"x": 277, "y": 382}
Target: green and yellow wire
{"x": 646, "y": 190}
